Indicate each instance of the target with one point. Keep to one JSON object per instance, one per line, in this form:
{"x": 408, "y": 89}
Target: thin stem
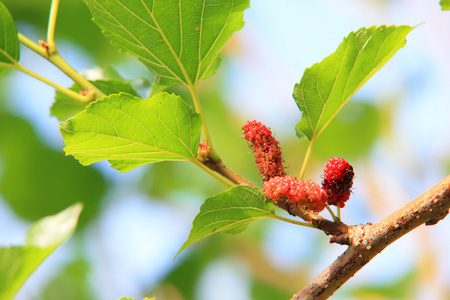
{"x": 52, "y": 26}
{"x": 335, "y": 219}
{"x": 70, "y": 93}
{"x": 58, "y": 61}
{"x": 32, "y": 45}
{"x": 212, "y": 173}
{"x": 227, "y": 173}
{"x": 306, "y": 224}
{"x": 61, "y": 64}
{"x": 339, "y": 212}
{"x": 307, "y": 157}
{"x": 198, "y": 108}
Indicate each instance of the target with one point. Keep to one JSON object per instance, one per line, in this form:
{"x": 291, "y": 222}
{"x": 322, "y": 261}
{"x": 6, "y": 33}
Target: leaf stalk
{"x": 213, "y": 174}
{"x": 61, "y": 64}
{"x": 68, "y": 92}
{"x": 52, "y": 26}
{"x": 306, "y": 224}
{"x": 307, "y": 157}
{"x": 194, "y": 93}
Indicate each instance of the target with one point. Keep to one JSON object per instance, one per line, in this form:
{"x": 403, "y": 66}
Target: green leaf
{"x": 9, "y": 41}
{"x": 43, "y": 237}
{"x": 229, "y": 212}
{"x": 445, "y": 4}
{"x": 178, "y": 41}
{"x": 65, "y": 107}
{"x": 328, "y": 85}
{"x": 130, "y": 132}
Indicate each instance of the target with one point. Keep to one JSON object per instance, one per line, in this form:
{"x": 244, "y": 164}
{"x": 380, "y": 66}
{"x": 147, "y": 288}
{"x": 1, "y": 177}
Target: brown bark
{"x": 366, "y": 241}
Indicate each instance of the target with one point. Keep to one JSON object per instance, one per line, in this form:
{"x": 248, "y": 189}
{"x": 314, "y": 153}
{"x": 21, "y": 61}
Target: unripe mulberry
{"x": 338, "y": 181}
{"x": 265, "y": 149}
{"x": 203, "y": 152}
{"x": 303, "y": 193}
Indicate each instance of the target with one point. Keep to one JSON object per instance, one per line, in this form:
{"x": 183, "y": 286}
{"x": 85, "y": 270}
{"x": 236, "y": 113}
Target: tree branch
{"x": 366, "y": 241}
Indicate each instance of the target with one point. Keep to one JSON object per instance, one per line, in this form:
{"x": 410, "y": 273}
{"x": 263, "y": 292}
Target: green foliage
{"x": 229, "y": 212}
{"x": 130, "y": 132}
{"x": 146, "y": 298}
{"x": 65, "y": 107}
{"x": 265, "y": 291}
{"x": 37, "y": 181}
{"x": 9, "y": 41}
{"x": 178, "y": 41}
{"x": 71, "y": 283}
{"x": 402, "y": 288}
{"x": 43, "y": 237}
{"x": 74, "y": 25}
{"x": 352, "y": 133}
{"x": 445, "y": 4}
{"x": 327, "y": 86}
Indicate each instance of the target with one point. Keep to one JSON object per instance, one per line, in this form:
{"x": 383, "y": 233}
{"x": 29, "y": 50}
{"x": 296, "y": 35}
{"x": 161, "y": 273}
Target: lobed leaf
{"x": 43, "y": 237}
{"x": 130, "y": 132}
{"x": 9, "y": 41}
{"x": 177, "y": 40}
{"x": 328, "y": 85}
{"x": 229, "y": 212}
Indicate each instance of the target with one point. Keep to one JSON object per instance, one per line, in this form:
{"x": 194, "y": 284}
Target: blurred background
{"x": 394, "y": 132}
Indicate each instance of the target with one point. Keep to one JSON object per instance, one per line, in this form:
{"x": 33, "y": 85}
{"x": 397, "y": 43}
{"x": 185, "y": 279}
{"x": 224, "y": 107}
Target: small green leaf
{"x": 445, "y": 4}
{"x": 328, "y": 85}
{"x": 130, "y": 132}
{"x": 9, "y": 41}
{"x": 229, "y": 212}
{"x": 178, "y": 41}
{"x": 43, "y": 237}
{"x": 65, "y": 107}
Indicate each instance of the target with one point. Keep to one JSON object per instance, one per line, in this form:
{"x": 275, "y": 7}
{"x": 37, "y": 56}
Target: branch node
{"x": 342, "y": 239}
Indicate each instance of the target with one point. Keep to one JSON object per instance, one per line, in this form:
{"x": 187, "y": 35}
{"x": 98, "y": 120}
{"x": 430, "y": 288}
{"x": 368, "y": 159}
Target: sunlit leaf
{"x": 43, "y": 237}
{"x": 229, "y": 212}
{"x": 178, "y": 41}
{"x": 130, "y": 132}
{"x": 65, "y": 107}
{"x": 328, "y": 85}
{"x": 9, "y": 41}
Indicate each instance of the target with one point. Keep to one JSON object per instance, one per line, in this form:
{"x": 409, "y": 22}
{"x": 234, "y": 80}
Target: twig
{"x": 366, "y": 241}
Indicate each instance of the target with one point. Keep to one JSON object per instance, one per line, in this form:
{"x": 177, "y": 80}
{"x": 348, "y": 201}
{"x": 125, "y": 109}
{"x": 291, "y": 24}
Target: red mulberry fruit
{"x": 338, "y": 181}
{"x": 265, "y": 149}
{"x": 303, "y": 193}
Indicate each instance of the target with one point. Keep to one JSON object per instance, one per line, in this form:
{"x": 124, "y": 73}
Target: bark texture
{"x": 366, "y": 241}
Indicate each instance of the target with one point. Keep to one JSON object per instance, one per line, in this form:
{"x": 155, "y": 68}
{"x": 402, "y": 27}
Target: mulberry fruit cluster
{"x": 303, "y": 193}
{"x": 338, "y": 181}
{"x": 265, "y": 149}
